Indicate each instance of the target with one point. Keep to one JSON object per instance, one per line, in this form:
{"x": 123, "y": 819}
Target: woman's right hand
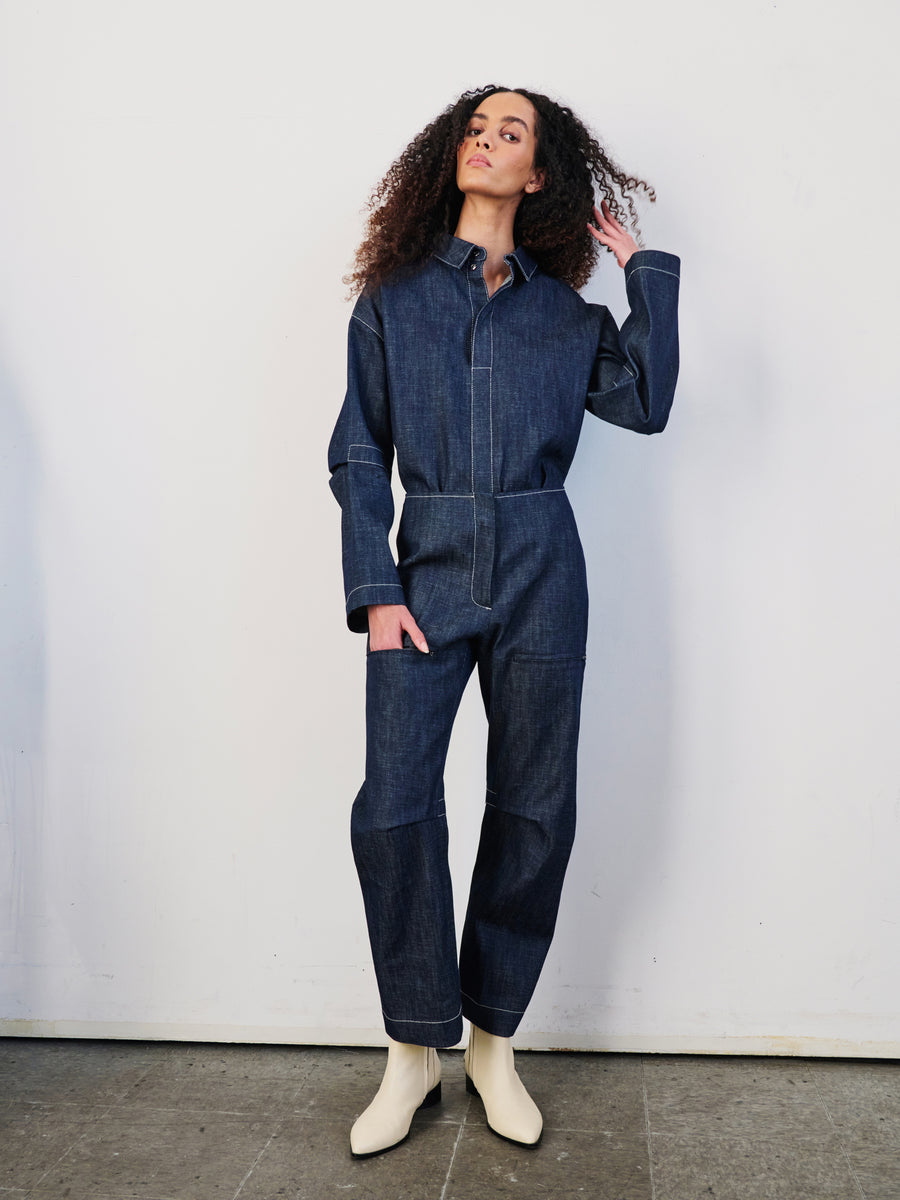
{"x": 612, "y": 235}
{"x": 387, "y": 623}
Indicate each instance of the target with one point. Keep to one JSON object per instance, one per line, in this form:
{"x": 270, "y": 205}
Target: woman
{"x": 472, "y": 356}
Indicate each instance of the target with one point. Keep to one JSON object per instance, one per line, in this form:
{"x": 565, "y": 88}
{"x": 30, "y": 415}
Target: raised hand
{"x": 613, "y": 235}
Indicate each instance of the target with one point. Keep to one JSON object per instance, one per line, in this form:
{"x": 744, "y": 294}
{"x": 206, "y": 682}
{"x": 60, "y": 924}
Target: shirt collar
{"x": 456, "y": 253}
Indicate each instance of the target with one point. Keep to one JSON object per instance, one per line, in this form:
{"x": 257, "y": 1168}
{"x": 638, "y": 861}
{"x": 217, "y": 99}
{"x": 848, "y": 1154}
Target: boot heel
{"x": 433, "y": 1097}
{"x": 470, "y": 1086}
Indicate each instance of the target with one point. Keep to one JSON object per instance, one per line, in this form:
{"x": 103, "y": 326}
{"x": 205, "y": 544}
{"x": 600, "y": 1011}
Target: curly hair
{"x": 418, "y": 200}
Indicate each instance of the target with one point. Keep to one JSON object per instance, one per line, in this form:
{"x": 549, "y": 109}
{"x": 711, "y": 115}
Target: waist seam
{"x": 472, "y": 495}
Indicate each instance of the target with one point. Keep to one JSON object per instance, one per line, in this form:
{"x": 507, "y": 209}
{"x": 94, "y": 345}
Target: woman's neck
{"x": 487, "y": 223}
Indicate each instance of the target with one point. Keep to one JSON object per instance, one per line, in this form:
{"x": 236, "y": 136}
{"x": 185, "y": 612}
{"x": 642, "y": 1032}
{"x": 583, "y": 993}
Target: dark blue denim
{"x": 482, "y": 398}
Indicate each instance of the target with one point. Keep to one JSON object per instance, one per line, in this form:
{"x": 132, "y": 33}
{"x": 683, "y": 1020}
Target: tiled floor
{"x": 152, "y": 1121}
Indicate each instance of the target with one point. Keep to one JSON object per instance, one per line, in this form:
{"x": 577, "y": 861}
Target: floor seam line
{"x": 647, "y": 1130}
{"x": 462, "y": 1126}
{"x": 844, "y": 1151}
{"x": 68, "y": 1150}
{"x": 256, "y": 1160}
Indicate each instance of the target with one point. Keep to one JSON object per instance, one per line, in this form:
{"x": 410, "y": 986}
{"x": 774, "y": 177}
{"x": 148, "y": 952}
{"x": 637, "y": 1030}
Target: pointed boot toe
{"x": 491, "y": 1075}
{"x": 412, "y": 1080}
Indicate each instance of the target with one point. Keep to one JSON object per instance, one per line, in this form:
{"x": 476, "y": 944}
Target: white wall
{"x": 180, "y": 705}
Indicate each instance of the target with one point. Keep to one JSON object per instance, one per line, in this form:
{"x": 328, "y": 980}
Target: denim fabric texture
{"x": 482, "y": 399}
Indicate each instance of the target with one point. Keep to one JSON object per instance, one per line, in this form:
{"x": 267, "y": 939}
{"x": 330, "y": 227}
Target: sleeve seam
{"x": 621, "y": 383}
{"x": 371, "y": 328}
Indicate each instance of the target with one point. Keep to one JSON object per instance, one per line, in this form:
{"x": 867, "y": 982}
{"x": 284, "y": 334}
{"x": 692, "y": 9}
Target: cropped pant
{"x": 523, "y": 625}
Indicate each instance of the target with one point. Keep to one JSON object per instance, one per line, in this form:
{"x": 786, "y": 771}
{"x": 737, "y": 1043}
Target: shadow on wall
{"x": 22, "y": 692}
{"x": 674, "y": 532}
{"x": 618, "y": 487}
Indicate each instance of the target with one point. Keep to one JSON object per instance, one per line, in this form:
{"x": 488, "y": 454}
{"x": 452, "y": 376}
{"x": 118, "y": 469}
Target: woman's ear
{"x": 535, "y": 183}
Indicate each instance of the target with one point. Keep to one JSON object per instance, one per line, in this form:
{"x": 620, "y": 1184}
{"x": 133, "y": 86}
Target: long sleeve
{"x": 360, "y": 457}
{"x": 633, "y": 380}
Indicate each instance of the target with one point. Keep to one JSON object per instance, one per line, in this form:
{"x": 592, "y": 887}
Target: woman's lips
{"x": 478, "y": 160}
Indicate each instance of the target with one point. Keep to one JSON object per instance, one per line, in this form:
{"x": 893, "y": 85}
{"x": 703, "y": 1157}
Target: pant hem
{"x": 498, "y": 1021}
{"x": 426, "y": 1033}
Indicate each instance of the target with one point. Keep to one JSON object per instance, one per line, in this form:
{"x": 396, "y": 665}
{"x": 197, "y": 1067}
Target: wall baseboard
{"x": 157, "y": 1031}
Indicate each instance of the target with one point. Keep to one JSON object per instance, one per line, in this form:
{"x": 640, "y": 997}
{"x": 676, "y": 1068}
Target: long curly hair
{"x": 418, "y": 200}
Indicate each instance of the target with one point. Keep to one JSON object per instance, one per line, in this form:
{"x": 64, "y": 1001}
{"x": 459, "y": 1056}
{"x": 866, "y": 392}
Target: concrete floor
{"x": 162, "y": 1121}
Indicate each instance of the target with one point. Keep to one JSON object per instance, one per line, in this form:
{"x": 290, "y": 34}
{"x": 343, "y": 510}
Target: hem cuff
{"x": 440, "y": 1034}
{"x": 501, "y": 1022}
{"x": 654, "y": 260}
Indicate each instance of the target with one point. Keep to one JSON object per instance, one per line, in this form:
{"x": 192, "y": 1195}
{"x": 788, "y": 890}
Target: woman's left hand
{"x": 613, "y": 235}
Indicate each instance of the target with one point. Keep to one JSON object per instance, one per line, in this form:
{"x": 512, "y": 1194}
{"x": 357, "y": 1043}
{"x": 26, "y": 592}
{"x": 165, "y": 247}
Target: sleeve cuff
{"x": 653, "y": 260}
{"x": 370, "y": 593}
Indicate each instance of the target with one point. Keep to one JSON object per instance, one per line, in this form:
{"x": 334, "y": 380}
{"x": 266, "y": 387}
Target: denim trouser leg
{"x": 399, "y": 838}
{"x": 529, "y": 648}
{"x": 533, "y": 706}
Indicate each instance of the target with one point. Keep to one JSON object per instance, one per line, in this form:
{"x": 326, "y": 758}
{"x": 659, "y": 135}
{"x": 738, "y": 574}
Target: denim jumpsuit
{"x": 482, "y": 398}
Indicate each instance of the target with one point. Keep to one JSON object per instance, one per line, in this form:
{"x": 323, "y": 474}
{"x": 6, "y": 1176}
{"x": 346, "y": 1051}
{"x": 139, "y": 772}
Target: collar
{"x": 456, "y": 253}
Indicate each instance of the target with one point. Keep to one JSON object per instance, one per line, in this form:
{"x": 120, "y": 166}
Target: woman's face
{"x": 496, "y": 156}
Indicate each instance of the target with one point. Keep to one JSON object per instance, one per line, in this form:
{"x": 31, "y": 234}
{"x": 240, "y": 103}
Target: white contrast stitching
{"x": 407, "y": 1021}
{"x": 533, "y": 492}
{"x": 491, "y": 398}
{"x": 365, "y": 461}
{"x": 472, "y": 369}
{"x": 485, "y": 607}
{"x": 661, "y": 271}
{"x": 472, "y": 384}
{"x": 471, "y": 495}
{"x": 492, "y": 1007}
{"x": 370, "y": 328}
{"x": 616, "y": 386}
{"x": 365, "y": 585}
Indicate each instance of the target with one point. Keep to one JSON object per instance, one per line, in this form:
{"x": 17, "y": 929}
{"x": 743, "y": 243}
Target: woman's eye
{"x": 472, "y": 131}
{"x": 512, "y": 137}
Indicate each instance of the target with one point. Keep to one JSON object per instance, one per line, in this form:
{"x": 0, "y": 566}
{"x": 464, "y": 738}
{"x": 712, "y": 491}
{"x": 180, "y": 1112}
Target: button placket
{"x": 482, "y": 442}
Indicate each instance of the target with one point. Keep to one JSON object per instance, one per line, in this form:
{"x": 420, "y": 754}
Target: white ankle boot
{"x": 412, "y": 1080}
{"x": 491, "y": 1074}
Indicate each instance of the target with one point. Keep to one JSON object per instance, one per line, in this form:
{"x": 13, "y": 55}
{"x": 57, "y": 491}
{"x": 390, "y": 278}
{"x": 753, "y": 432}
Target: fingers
{"x": 609, "y": 226}
{"x": 612, "y": 234}
{"x": 609, "y": 218}
{"x": 417, "y": 636}
{"x": 387, "y": 623}
{"x": 607, "y": 222}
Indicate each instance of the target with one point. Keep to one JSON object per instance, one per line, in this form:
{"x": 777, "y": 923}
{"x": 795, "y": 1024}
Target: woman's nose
{"x": 482, "y": 141}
